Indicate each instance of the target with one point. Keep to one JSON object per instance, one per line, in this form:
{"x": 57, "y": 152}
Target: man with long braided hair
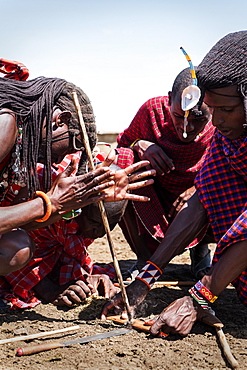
{"x": 39, "y": 124}
{"x": 220, "y": 199}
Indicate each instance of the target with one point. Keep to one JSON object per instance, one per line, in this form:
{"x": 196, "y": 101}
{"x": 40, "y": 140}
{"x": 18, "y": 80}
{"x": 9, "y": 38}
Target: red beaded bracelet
{"x": 205, "y": 292}
{"x": 48, "y": 206}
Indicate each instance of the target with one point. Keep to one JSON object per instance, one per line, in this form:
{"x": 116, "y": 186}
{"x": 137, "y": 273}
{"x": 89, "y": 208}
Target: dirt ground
{"x": 134, "y": 350}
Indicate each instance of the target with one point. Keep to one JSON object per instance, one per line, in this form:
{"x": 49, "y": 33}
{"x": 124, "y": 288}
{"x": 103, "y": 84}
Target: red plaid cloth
{"x": 13, "y": 70}
{"x": 56, "y": 245}
{"x": 153, "y": 123}
{"x": 222, "y": 189}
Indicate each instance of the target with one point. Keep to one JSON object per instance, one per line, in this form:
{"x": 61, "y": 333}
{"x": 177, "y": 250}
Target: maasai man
{"x": 221, "y": 195}
{"x": 157, "y": 134}
{"x": 39, "y": 123}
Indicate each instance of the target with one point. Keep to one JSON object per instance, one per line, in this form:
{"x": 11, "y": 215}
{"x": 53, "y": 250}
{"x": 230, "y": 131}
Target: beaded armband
{"x": 149, "y": 274}
{"x": 198, "y": 298}
{"x": 205, "y": 292}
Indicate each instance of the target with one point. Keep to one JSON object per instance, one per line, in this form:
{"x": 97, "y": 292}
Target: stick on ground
{"x": 38, "y": 335}
{"x": 226, "y": 349}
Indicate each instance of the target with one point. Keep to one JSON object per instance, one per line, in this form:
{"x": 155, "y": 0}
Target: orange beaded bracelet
{"x": 48, "y": 206}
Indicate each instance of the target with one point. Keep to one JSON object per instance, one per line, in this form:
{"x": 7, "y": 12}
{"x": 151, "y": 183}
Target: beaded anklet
{"x": 149, "y": 274}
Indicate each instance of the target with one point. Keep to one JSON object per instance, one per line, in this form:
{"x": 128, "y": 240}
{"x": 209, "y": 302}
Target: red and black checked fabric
{"x": 222, "y": 189}
{"x": 153, "y": 123}
{"x": 13, "y": 70}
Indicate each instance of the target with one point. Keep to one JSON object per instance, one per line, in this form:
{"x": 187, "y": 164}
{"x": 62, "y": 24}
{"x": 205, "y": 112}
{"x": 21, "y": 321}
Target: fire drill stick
{"x": 226, "y": 349}
{"x": 102, "y": 211}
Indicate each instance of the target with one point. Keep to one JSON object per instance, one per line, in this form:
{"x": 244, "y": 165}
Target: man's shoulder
{"x": 157, "y": 102}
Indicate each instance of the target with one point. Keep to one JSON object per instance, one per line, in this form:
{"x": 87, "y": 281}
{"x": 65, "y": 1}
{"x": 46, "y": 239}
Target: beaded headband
{"x": 190, "y": 95}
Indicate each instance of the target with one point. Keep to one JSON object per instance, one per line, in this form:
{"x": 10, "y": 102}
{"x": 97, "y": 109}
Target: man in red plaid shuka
{"x": 60, "y": 256}
{"x": 156, "y": 134}
{"x": 221, "y": 196}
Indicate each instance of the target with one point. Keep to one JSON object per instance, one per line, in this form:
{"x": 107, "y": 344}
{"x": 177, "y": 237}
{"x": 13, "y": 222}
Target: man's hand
{"x": 180, "y": 201}
{"x": 74, "y": 294}
{"x": 101, "y": 285}
{"x": 128, "y": 179}
{"x": 180, "y": 316}
{"x": 75, "y": 192}
{"x": 158, "y": 159}
{"x": 98, "y": 285}
{"x": 136, "y": 293}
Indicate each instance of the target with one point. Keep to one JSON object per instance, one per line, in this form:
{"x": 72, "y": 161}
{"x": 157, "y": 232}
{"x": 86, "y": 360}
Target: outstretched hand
{"x": 180, "y": 316}
{"x": 128, "y": 179}
{"x": 75, "y": 192}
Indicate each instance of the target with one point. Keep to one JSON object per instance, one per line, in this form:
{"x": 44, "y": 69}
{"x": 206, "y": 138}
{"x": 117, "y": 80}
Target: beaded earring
{"x": 190, "y": 95}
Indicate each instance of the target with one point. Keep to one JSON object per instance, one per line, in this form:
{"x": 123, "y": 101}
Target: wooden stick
{"x": 226, "y": 349}
{"x": 102, "y": 210}
{"x": 38, "y": 335}
{"x": 158, "y": 284}
{"x": 136, "y": 324}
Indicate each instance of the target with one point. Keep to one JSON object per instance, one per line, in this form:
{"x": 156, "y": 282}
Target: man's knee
{"x": 16, "y": 249}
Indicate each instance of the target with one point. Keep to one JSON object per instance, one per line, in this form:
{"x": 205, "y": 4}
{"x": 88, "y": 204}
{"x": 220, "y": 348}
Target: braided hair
{"x": 33, "y": 101}
{"x": 225, "y": 64}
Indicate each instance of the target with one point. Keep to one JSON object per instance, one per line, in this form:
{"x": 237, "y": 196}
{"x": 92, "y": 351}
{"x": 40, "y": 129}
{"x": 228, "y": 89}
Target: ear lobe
{"x": 63, "y": 118}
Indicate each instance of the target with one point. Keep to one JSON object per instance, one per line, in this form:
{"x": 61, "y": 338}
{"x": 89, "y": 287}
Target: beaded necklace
{"x": 14, "y": 175}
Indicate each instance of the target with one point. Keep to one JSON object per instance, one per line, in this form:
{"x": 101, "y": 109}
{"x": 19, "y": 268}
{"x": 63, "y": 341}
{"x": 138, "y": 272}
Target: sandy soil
{"x": 135, "y": 350}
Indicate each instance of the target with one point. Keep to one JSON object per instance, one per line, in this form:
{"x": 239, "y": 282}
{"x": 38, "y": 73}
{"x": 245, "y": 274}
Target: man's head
{"x": 37, "y": 103}
{"x": 222, "y": 76}
{"x": 199, "y": 116}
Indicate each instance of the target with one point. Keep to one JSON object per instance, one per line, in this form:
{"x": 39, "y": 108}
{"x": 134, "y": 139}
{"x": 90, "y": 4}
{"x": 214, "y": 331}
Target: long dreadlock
{"x": 225, "y": 65}
{"x": 33, "y": 101}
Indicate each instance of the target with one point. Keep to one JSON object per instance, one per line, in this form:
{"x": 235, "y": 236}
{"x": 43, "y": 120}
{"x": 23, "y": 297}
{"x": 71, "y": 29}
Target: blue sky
{"x": 120, "y": 52}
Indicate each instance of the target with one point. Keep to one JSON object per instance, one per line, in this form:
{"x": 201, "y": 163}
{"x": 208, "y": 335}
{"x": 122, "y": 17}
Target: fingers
{"x": 66, "y": 173}
{"x": 136, "y": 198}
{"x": 69, "y": 170}
{"x": 116, "y": 301}
{"x": 74, "y": 294}
{"x": 140, "y": 184}
{"x": 141, "y": 175}
{"x": 151, "y": 321}
{"x": 135, "y": 167}
{"x": 98, "y": 175}
{"x": 157, "y": 325}
{"x": 110, "y": 158}
{"x": 173, "y": 210}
